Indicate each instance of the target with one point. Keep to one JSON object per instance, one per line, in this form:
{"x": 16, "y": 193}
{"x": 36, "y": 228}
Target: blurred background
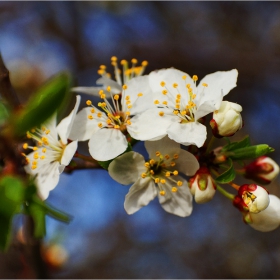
{"x": 39, "y": 39}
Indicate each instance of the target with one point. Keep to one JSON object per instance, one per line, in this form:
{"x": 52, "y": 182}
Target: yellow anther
{"x": 103, "y": 96}
{"x": 175, "y": 172}
{"x": 102, "y": 67}
{"x": 179, "y": 183}
{"x": 144, "y": 63}
{"x": 177, "y": 106}
{"x": 143, "y": 175}
{"x": 32, "y": 130}
{"x": 184, "y": 77}
{"x": 99, "y": 114}
{"x": 128, "y": 122}
{"x": 140, "y": 94}
{"x": 34, "y": 162}
{"x": 134, "y": 60}
{"x": 100, "y": 72}
{"x": 123, "y": 61}
{"x": 124, "y": 86}
{"x": 164, "y": 92}
{"x": 156, "y": 180}
{"x": 114, "y": 58}
{"x": 175, "y": 112}
{"x": 162, "y": 181}
{"x": 25, "y": 146}
{"x": 103, "y": 104}
{"x": 127, "y": 97}
{"x": 157, "y": 153}
{"x": 90, "y": 117}
{"x": 193, "y": 96}
{"x": 163, "y": 165}
{"x": 100, "y": 125}
{"x": 152, "y": 172}
{"x": 42, "y": 157}
{"x": 116, "y": 126}
{"x": 117, "y": 117}
{"x": 156, "y": 102}
{"x": 204, "y": 84}
{"x": 178, "y": 96}
{"x": 47, "y": 131}
{"x": 36, "y": 156}
{"x": 162, "y": 83}
{"x": 176, "y": 156}
{"x": 184, "y": 113}
{"x": 108, "y": 121}
{"x": 127, "y": 102}
{"x": 44, "y": 150}
{"x": 33, "y": 167}
{"x": 164, "y": 102}
{"x": 35, "y": 148}
{"x": 101, "y": 92}
{"x": 174, "y": 189}
{"x": 175, "y": 85}
{"x": 195, "y": 78}
{"x": 162, "y": 193}
{"x": 92, "y": 110}
{"x": 167, "y": 174}
{"x": 172, "y": 163}
{"x": 108, "y": 89}
{"x": 28, "y": 135}
{"x": 39, "y": 143}
{"x": 178, "y": 100}
{"x": 88, "y": 102}
{"x": 161, "y": 113}
{"x": 152, "y": 162}
{"x": 127, "y": 113}
{"x": 167, "y": 156}
{"x": 147, "y": 164}
{"x": 129, "y": 107}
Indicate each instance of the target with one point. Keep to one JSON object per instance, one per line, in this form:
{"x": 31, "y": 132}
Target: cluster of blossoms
{"x": 168, "y": 110}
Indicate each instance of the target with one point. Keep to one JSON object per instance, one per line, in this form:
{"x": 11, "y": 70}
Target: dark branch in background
{"x": 11, "y": 156}
{"x": 6, "y": 89}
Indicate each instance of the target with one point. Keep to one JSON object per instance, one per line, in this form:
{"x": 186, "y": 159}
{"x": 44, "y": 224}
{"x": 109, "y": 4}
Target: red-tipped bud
{"x": 227, "y": 120}
{"x": 202, "y": 186}
{"x": 263, "y": 170}
{"x": 252, "y": 198}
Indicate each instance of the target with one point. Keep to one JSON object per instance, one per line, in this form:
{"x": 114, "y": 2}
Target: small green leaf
{"x": 105, "y": 164}
{"x": 227, "y": 176}
{"x": 237, "y": 145}
{"x": 39, "y": 217}
{"x": 249, "y": 152}
{"x": 14, "y": 188}
{"x": 45, "y": 102}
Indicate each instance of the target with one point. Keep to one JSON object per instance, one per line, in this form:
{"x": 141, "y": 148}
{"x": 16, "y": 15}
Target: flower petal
{"x": 115, "y": 87}
{"x": 187, "y": 163}
{"x": 127, "y": 168}
{"x": 149, "y": 125}
{"x": 107, "y": 143}
{"x": 69, "y": 152}
{"x": 178, "y": 203}
{"x": 65, "y": 126}
{"x": 140, "y": 194}
{"x": 83, "y": 127}
{"x": 191, "y": 133}
{"x": 88, "y": 90}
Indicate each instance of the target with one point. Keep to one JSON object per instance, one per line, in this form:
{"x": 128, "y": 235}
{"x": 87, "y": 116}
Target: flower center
{"x": 161, "y": 171}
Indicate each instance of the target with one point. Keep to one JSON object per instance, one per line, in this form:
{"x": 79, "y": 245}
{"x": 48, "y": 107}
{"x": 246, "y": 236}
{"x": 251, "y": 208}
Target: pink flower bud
{"x": 263, "y": 170}
{"x": 227, "y": 120}
{"x": 252, "y": 198}
{"x": 202, "y": 186}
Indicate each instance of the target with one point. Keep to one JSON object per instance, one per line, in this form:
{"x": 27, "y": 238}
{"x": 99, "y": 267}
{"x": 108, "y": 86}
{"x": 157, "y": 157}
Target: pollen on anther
{"x": 92, "y": 110}
{"x": 144, "y": 63}
{"x": 124, "y": 86}
{"x": 164, "y": 92}
{"x": 162, "y": 193}
{"x": 162, "y": 83}
{"x": 172, "y": 163}
{"x": 205, "y": 85}
{"x": 164, "y": 102}
{"x": 143, "y": 175}
{"x": 176, "y": 156}
{"x": 128, "y": 122}
{"x": 157, "y": 180}
{"x": 35, "y": 148}
{"x": 44, "y": 150}
{"x": 167, "y": 174}
{"x": 175, "y": 172}
{"x": 156, "y": 102}
{"x": 174, "y": 189}
{"x": 184, "y": 77}
{"x": 140, "y": 94}
{"x": 114, "y": 58}
{"x": 99, "y": 115}
{"x": 161, "y": 113}
{"x": 195, "y": 78}
{"x": 100, "y": 125}
{"x": 42, "y": 157}
{"x": 179, "y": 183}
{"x": 25, "y": 146}
{"x": 157, "y": 153}
{"x": 108, "y": 89}
{"x": 88, "y": 102}
{"x": 167, "y": 156}
{"x": 90, "y": 117}
{"x": 134, "y": 60}
{"x": 116, "y": 126}
{"x": 152, "y": 161}
{"x": 175, "y": 85}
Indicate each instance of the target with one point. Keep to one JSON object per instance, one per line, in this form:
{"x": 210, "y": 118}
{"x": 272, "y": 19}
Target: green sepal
{"x": 105, "y": 164}
{"x": 249, "y": 152}
{"x": 228, "y": 175}
{"x": 43, "y": 104}
{"x": 11, "y": 198}
{"x": 245, "y": 142}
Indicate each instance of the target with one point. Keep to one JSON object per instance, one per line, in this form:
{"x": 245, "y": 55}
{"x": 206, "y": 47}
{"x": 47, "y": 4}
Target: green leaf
{"x": 227, "y": 176}
{"x": 249, "y": 152}
{"x": 39, "y": 217}
{"x": 3, "y": 113}
{"x": 43, "y": 104}
{"x": 105, "y": 164}
{"x": 237, "y": 145}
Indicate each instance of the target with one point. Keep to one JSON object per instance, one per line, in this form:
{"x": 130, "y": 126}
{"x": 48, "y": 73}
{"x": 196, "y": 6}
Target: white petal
{"x": 83, "y": 127}
{"x": 169, "y": 76}
{"x": 140, "y": 194}
{"x": 268, "y": 219}
{"x": 50, "y": 125}
{"x": 149, "y": 125}
{"x": 139, "y": 104}
{"x": 65, "y": 126}
{"x": 127, "y": 168}
{"x": 192, "y": 133}
{"x": 115, "y": 87}
{"x": 164, "y": 146}
{"x": 69, "y": 152}
{"x": 179, "y": 203}
{"x": 47, "y": 180}
{"x": 106, "y": 144}
{"x": 187, "y": 163}
{"x": 88, "y": 90}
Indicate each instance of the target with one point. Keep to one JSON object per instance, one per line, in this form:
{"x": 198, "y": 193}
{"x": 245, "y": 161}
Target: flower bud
{"x": 227, "y": 120}
{"x": 268, "y": 219}
{"x": 263, "y": 170}
{"x": 252, "y": 198}
{"x": 202, "y": 186}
